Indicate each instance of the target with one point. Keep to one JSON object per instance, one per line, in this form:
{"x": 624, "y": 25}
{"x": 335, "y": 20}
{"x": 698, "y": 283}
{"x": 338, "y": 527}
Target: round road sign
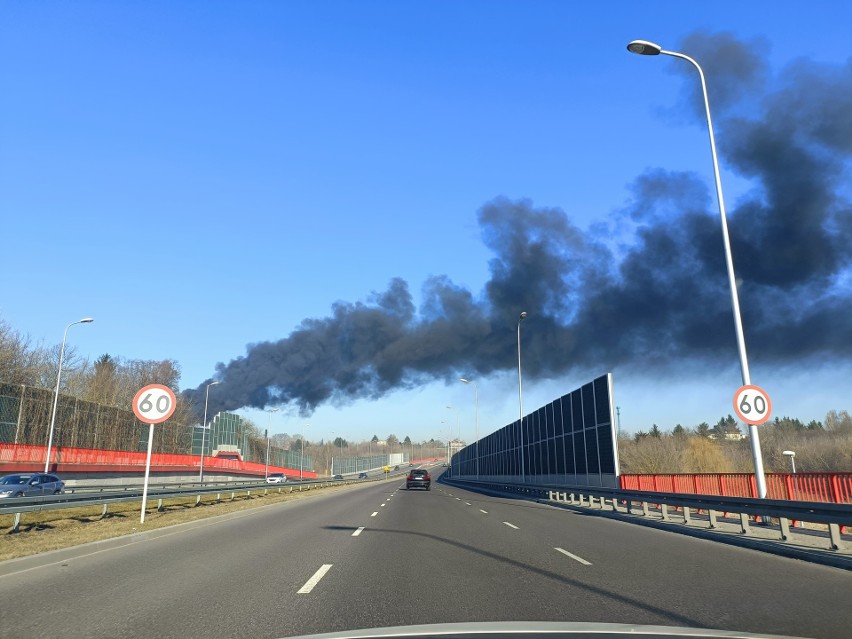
{"x": 752, "y": 405}
{"x": 154, "y": 404}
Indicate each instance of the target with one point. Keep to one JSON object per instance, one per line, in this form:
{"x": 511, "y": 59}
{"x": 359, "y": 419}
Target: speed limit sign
{"x": 154, "y": 404}
{"x": 752, "y": 405}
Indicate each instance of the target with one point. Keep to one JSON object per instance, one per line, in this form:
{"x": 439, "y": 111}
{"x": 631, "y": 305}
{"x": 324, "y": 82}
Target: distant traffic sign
{"x": 752, "y": 405}
{"x": 154, "y": 404}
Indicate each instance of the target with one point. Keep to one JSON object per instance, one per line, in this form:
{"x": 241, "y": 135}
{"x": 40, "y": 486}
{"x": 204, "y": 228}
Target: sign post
{"x": 153, "y": 404}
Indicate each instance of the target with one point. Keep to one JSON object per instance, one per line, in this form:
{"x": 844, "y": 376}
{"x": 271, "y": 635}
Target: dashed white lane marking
{"x": 511, "y": 525}
{"x": 374, "y": 514}
{"x": 574, "y": 557}
{"x": 458, "y": 498}
{"x": 358, "y": 532}
{"x": 313, "y": 581}
{"x": 382, "y": 506}
{"x": 467, "y": 503}
{"x": 484, "y": 512}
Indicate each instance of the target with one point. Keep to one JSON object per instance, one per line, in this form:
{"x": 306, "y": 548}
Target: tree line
{"x": 820, "y": 446}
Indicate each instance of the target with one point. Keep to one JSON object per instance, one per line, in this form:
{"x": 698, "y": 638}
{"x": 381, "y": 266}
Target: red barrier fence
{"x": 826, "y": 487}
{"x": 25, "y": 458}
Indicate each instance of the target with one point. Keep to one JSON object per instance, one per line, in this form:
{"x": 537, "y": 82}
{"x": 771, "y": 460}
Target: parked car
{"x": 362, "y": 476}
{"x": 276, "y": 478}
{"x": 418, "y": 478}
{"x": 30, "y": 485}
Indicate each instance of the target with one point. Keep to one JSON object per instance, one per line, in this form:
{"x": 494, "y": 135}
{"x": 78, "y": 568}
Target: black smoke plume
{"x": 597, "y": 300}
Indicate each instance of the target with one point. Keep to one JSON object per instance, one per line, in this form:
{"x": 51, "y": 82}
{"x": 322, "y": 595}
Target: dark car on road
{"x": 362, "y": 475}
{"x": 418, "y": 478}
{"x": 338, "y": 478}
{"x": 30, "y": 485}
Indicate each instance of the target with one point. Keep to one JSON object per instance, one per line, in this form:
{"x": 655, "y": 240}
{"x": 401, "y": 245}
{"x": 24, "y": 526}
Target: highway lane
{"x": 424, "y": 557}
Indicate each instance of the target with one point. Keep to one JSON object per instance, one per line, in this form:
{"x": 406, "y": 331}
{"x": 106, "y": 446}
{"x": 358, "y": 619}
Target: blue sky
{"x": 201, "y": 176}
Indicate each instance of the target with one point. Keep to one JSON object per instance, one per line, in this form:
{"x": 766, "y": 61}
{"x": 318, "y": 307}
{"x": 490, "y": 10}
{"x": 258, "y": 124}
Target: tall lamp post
{"x": 85, "y": 320}
{"x": 458, "y": 427}
{"x": 521, "y": 318}
{"x": 458, "y": 421}
{"x": 476, "y": 404}
{"x": 203, "y": 431}
{"x": 792, "y": 455}
{"x": 270, "y": 411}
{"x": 643, "y": 47}
{"x": 302, "y": 453}
{"x": 449, "y": 435}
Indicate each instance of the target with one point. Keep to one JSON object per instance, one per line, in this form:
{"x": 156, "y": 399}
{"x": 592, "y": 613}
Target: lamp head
{"x": 643, "y": 47}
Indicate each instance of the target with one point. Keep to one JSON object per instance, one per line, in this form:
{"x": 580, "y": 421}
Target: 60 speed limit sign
{"x": 154, "y": 404}
{"x": 752, "y": 405}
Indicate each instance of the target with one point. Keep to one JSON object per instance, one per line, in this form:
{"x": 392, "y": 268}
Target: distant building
{"x": 730, "y": 437}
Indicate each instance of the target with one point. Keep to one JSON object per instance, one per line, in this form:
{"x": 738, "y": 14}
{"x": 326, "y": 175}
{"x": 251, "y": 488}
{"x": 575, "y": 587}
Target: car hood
{"x": 542, "y": 630}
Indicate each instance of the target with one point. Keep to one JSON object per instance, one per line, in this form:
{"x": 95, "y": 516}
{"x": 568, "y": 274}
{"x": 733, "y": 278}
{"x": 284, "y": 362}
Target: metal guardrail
{"x": 18, "y": 505}
{"x": 102, "y": 488}
{"x": 103, "y": 495}
{"x": 834, "y": 516}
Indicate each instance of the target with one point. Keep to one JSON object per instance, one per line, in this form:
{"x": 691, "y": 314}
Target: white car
{"x": 276, "y": 478}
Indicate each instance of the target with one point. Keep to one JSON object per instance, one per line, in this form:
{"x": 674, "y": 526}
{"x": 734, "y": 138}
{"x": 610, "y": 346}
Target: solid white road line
{"x": 374, "y": 514}
{"x": 313, "y": 581}
{"x": 511, "y": 525}
{"x": 484, "y": 512}
{"x": 358, "y": 532}
{"x": 575, "y": 557}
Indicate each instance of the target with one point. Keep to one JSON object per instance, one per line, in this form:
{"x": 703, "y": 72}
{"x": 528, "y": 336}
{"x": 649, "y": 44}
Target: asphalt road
{"x": 448, "y": 555}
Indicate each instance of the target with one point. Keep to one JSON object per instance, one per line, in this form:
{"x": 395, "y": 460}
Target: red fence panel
{"x": 27, "y": 458}
{"x": 824, "y": 487}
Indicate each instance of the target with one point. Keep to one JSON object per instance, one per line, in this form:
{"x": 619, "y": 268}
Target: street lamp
{"x": 270, "y": 411}
{"x": 203, "y": 431}
{"x": 85, "y": 320}
{"x": 643, "y": 47}
{"x": 792, "y": 455}
{"x": 476, "y": 403}
{"x": 449, "y": 436}
{"x": 302, "y": 453}
{"x": 458, "y": 428}
{"x": 521, "y": 318}
{"x": 458, "y": 421}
